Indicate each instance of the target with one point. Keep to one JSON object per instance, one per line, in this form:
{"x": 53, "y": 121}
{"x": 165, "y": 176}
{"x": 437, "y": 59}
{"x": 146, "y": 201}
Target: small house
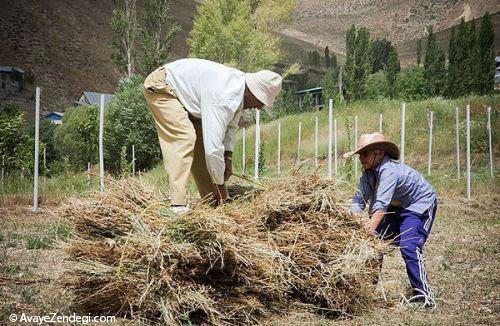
{"x": 54, "y": 117}
{"x": 316, "y": 94}
{"x": 11, "y": 80}
{"x": 92, "y": 98}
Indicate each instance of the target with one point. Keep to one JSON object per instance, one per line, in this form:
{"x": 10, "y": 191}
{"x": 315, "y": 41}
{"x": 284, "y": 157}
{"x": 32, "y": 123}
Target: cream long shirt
{"x": 214, "y": 93}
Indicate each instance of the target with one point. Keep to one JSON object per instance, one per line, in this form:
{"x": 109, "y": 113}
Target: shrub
{"x": 128, "y": 122}
{"x": 377, "y": 86}
{"x": 411, "y": 84}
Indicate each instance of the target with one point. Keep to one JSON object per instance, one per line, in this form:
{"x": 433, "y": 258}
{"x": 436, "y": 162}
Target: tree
{"x": 377, "y": 86}
{"x": 16, "y": 145}
{"x": 392, "y": 70}
{"x": 124, "y": 26}
{"x": 434, "y": 66}
{"x": 486, "y": 56}
{"x": 77, "y": 137}
{"x": 452, "y": 65}
{"x": 411, "y": 84}
{"x": 157, "y": 35}
{"x": 327, "y": 57}
{"x": 419, "y": 52}
{"x": 348, "y": 77}
{"x": 362, "y": 63}
{"x": 128, "y": 122}
{"x": 238, "y": 33}
{"x": 358, "y": 61}
{"x": 333, "y": 61}
{"x": 380, "y": 50}
{"x": 329, "y": 84}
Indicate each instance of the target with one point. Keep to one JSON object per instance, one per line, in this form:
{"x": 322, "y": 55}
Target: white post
{"x": 133, "y": 160}
{"x": 381, "y": 118}
{"x": 44, "y": 166}
{"x": 243, "y": 150}
{"x": 298, "y": 143}
{"x": 403, "y": 127}
{"x": 257, "y": 144}
{"x": 279, "y": 148}
{"x": 37, "y": 140}
{"x": 468, "y": 152}
{"x": 335, "y": 145}
{"x": 431, "y": 122}
{"x": 356, "y": 146}
{"x": 101, "y": 147}
{"x": 330, "y": 121}
{"x": 316, "y": 143}
{"x": 489, "y": 138}
{"x": 457, "y": 129}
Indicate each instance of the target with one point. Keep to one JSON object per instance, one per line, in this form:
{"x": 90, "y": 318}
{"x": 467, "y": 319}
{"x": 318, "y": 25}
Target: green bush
{"x": 377, "y": 86}
{"x": 77, "y": 137}
{"x": 16, "y": 145}
{"x": 128, "y": 122}
{"x": 411, "y": 84}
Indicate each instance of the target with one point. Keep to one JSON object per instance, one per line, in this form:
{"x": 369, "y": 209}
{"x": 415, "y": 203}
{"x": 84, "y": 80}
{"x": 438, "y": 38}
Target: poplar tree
{"x": 434, "y": 66}
{"x": 419, "y": 52}
{"x": 333, "y": 60}
{"x": 327, "y": 57}
{"x": 486, "y": 71}
{"x": 158, "y": 36}
{"x": 454, "y": 66}
{"x": 124, "y": 27}
{"x": 362, "y": 62}
{"x": 392, "y": 70}
{"x": 348, "y": 77}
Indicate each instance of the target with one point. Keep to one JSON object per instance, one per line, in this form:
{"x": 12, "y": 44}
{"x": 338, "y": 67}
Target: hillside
{"x": 322, "y": 22}
{"x": 65, "y": 44}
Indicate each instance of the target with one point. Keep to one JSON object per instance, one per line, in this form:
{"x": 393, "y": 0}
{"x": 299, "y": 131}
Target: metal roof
{"x": 95, "y": 98}
{"x": 310, "y": 90}
{"x": 11, "y": 69}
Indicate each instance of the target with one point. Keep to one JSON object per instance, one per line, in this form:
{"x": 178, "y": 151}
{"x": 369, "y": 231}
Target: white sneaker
{"x": 178, "y": 210}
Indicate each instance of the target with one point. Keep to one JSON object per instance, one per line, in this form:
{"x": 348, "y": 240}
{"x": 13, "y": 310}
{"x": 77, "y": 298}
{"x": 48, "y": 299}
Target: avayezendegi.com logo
{"x": 54, "y": 318}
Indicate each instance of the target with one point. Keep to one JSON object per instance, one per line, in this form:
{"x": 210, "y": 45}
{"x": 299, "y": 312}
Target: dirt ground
{"x": 463, "y": 260}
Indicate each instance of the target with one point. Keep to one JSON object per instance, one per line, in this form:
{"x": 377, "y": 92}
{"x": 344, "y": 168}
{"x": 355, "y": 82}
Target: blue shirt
{"x": 398, "y": 184}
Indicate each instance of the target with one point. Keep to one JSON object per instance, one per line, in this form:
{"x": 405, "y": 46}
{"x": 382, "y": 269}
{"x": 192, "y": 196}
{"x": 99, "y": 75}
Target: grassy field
{"x": 462, "y": 252}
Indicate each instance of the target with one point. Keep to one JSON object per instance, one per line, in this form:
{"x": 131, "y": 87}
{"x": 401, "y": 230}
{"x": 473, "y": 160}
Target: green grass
{"x": 417, "y": 134}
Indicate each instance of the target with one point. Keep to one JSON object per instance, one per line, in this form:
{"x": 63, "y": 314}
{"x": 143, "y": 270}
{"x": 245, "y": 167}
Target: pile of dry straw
{"x": 290, "y": 245}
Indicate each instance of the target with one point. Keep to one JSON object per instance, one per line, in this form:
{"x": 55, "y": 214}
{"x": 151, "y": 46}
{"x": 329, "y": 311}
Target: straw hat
{"x": 375, "y": 141}
{"x": 265, "y": 85}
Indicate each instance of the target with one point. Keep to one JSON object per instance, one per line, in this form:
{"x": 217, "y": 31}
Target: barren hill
{"x": 325, "y": 22}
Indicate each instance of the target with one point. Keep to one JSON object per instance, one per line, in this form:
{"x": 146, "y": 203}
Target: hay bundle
{"x": 290, "y": 244}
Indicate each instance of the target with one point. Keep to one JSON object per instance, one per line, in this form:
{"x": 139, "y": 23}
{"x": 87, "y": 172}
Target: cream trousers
{"x": 181, "y": 140}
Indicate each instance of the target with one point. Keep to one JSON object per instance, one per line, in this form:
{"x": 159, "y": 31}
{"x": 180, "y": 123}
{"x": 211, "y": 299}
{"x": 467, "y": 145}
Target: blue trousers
{"x": 409, "y": 230}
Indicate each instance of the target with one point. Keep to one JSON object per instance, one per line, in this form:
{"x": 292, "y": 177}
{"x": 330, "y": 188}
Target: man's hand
{"x": 221, "y": 194}
{"x": 228, "y": 171}
{"x": 229, "y": 168}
